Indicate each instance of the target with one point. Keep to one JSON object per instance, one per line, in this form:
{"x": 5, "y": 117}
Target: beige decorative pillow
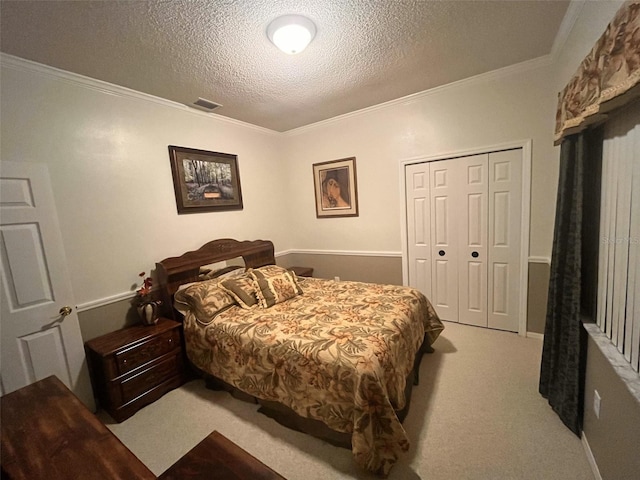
{"x": 221, "y": 273}
{"x": 205, "y": 299}
{"x": 242, "y": 289}
{"x": 179, "y": 303}
{"x": 270, "y": 269}
{"x": 275, "y": 285}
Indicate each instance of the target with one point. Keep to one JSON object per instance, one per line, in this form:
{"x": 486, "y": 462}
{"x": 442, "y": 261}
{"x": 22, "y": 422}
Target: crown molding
{"x": 17, "y": 63}
{"x": 514, "y": 69}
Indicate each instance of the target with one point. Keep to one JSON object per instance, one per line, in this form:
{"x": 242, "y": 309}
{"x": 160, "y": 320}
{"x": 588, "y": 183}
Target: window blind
{"x": 618, "y": 303}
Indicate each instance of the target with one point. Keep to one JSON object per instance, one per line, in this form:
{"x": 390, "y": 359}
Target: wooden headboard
{"x": 175, "y": 271}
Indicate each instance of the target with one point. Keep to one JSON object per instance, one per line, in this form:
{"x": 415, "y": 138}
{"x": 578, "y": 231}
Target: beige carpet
{"x": 476, "y": 414}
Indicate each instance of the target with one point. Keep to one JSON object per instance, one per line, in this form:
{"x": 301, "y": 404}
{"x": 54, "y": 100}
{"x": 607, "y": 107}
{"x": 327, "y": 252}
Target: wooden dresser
{"x": 48, "y": 433}
{"x": 302, "y": 271}
{"x": 135, "y": 366}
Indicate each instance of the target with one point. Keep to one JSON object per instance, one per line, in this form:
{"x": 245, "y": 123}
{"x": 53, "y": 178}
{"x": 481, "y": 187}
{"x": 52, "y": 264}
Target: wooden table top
{"x": 48, "y": 433}
{"x": 217, "y": 457}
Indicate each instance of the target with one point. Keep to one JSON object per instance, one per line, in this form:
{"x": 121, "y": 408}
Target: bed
{"x": 333, "y": 359}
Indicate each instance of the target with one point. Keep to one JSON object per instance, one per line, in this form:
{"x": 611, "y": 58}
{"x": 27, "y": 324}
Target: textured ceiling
{"x": 365, "y": 51}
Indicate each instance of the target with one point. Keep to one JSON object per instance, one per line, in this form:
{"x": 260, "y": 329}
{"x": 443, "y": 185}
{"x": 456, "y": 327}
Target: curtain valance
{"x": 607, "y": 78}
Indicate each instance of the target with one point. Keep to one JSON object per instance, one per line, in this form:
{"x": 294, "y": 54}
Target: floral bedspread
{"x": 339, "y": 353}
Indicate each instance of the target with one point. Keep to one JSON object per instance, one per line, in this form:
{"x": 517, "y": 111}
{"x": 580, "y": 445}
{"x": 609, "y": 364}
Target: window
{"x": 618, "y": 293}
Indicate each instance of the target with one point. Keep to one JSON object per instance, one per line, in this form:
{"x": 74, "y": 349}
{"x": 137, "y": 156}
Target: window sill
{"x": 629, "y": 377}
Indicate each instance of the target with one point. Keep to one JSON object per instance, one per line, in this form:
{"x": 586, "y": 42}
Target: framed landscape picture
{"x": 336, "y": 188}
{"x": 205, "y": 181}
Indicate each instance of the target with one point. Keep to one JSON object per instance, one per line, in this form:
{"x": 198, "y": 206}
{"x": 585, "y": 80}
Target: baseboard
{"x": 539, "y": 336}
{"x": 545, "y": 260}
{"x": 590, "y": 458}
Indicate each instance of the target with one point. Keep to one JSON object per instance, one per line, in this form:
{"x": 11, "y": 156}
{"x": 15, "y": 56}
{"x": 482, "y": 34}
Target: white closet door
{"x": 505, "y": 200}
{"x": 464, "y": 228}
{"x": 418, "y": 226}
{"x": 472, "y": 216}
{"x": 444, "y": 237}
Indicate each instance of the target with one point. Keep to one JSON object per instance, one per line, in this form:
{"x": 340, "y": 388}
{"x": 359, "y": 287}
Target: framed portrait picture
{"x": 336, "y": 188}
{"x": 205, "y": 181}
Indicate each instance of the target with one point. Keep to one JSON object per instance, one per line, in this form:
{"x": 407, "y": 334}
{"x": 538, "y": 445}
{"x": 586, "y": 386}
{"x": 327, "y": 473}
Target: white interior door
{"x": 505, "y": 217}
{"x": 444, "y": 181}
{"x": 473, "y": 217}
{"x": 40, "y": 335}
{"x": 418, "y": 227}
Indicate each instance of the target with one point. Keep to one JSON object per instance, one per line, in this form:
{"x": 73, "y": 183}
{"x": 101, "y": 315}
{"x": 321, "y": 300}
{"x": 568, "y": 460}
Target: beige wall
{"x": 537, "y": 298}
{"x": 359, "y": 268}
{"x": 108, "y": 160}
{"x": 515, "y": 104}
{"x": 614, "y": 438}
{"x": 109, "y": 165}
{"x": 107, "y": 318}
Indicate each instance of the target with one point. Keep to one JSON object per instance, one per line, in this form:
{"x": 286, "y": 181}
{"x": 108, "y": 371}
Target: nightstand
{"x": 302, "y": 271}
{"x": 135, "y": 366}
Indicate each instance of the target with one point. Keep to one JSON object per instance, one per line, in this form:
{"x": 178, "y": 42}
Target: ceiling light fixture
{"x": 291, "y": 33}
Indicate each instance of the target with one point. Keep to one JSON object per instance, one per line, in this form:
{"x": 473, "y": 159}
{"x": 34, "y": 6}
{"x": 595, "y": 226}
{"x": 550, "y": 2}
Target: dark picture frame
{"x": 336, "y": 188}
{"x": 205, "y": 181}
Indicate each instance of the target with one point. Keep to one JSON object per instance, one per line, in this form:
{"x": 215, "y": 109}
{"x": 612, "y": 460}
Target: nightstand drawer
{"x": 140, "y": 382}
{"x": 141, "y": 353}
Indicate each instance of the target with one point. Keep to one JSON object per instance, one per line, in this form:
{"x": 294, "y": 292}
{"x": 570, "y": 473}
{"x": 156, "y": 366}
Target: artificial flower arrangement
{"x": 148, "y": 309}
{"x": 147, "y": 283}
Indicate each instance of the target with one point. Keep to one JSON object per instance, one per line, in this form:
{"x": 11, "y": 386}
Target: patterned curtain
{"x": 607, "y": 78}
{"x": 564, "y": 349}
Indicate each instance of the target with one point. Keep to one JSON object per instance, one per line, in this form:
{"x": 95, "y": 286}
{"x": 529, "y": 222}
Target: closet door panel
{"x": 472, "y": 242}
{"x": 444, "y": 234}
{"x": 418, "y": 227}
{"x": 505, "y": 200}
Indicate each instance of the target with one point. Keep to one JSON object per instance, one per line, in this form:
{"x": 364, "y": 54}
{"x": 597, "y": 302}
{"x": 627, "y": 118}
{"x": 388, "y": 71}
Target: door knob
{"x": 64, "y": 311}
{"x": 441, "y": 253}
{"x": 475, "y": 254}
